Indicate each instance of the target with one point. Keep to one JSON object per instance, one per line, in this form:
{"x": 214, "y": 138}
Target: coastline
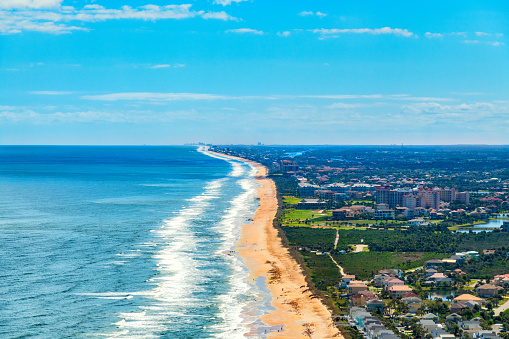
{"x": 295, "y": 309}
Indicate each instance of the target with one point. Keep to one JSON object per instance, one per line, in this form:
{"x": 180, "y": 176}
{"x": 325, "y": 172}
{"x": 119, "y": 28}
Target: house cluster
{"x": 419, "y": 196}
{"x": 360, "y": 295}
{"x": 434, "y": 329}
{"x": 458, "y": 258}
{"x": 370, "y": 326}
{"x": 421, "y": 201}
{"x": 336, "y": 191}
{"x": 442, "y": 213}
{"x": 350, "y": 212}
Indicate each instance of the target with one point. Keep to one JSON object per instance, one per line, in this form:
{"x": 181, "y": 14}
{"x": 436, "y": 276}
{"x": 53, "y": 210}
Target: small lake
{"x": 490, "y": 224}
{"x": 444, "y": 293}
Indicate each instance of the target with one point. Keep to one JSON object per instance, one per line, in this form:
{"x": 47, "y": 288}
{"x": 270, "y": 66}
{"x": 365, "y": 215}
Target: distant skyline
{"x": 243, "y": 72}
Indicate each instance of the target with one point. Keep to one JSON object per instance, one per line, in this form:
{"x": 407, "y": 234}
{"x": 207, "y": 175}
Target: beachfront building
{"x": 346, "y": 279}
{"x": 375, "y": 305}
{"x": 354, "y": 287}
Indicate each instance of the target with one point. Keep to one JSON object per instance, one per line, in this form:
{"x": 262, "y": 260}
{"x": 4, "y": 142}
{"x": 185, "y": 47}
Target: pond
{"x": 490, "y": 224}
{"x": 444, "y": 293}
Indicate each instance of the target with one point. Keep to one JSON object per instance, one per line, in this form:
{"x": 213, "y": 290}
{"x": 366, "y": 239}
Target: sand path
{"x": 300, "y": 312}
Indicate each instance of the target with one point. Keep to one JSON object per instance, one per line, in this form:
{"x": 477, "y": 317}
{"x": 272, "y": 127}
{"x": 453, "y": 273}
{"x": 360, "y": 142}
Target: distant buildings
{"x": 311, "y": 204}
{"x": 419, "y": 196}
{"x": 289, "y": 166}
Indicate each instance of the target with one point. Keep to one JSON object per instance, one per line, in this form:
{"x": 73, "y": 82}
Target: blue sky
{"x": 222, "y": 71}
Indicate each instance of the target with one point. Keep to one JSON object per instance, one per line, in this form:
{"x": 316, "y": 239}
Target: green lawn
{"x": 291, "y": 200}
{"x": 304, "y": 214}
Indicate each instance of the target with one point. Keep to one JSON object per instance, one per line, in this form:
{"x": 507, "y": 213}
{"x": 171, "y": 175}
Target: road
{"x": 502, "y": 308}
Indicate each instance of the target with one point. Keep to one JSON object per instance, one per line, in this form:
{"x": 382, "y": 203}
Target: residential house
{"x": 346, "y": 279}
{"x": 442, "y": 334}
{"x": 357, "y": 300}
{"x": 430, "y": 272}
{"x": 434, "y": 263}
{"x": 471, "y": 326}
{"x": 453, "y": 318}
{"x": 487, "y": 335}
{"x": 398, "y": 290}
{"x": 488, "y": 290}
{"x": 417, "y": 222}
{"x": 355, "y": 287}
{"x": 468, "y": 297}
{"x": 458, "y": 307}
{"x": 375, "y": 305}
{"x": 443, "y": 282}
{"x": 501, "y": 280}
{"x": 392, "y": 282}
{"x": 413, "y": 303}
{"x": 429, "y": 325}
{"x": 379, "y": 279}
{"x": 384, "y": 214}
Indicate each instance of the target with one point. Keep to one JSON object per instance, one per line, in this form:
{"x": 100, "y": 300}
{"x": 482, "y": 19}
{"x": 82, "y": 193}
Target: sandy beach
{"x": 300, "y": 314}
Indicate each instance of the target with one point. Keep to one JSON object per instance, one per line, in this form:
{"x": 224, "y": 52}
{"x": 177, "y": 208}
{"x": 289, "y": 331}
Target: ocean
{"x": 125, "y": 242}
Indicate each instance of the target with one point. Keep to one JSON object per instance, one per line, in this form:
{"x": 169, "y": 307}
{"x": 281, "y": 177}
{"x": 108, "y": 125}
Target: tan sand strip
{"x": 302, "y": 314}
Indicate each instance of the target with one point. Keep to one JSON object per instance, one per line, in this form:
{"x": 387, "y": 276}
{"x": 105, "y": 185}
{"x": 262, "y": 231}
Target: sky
{"x": 118, "y": 72}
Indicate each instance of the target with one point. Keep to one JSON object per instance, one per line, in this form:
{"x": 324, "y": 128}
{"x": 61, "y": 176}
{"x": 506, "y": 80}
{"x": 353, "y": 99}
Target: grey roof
{"x": 429, "y": 316}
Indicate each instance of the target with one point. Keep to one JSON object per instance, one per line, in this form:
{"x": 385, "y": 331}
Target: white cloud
{"x": 51, "y": 92}
{"x": 342, "y": 105}
{"x": 160, "y": 97}
{"x": 161, "y": 66}
{"x": 57, "y": 20}
{"x": 491, "y": 43}
{"x": 24, "y": 4}
{"x": 433, "y": 35}
{"x": 482, "y": 34}
{"x": 375, "y": 31}
{"x": 441, "y": 35}
{"x": 309, "y": 13}
{"x": 457, "y": 113}
{"x": 150, "y": 96}
{"x": 284, "y": 34}
{"x": 227, "y": 2}
{"x": 166, "y": 66}
{"x": 219, "y": 16}
{"x": 244, "y": 30}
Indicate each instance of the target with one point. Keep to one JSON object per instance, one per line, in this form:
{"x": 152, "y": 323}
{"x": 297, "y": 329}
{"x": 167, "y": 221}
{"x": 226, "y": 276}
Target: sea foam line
{"x": 177, "y": 271}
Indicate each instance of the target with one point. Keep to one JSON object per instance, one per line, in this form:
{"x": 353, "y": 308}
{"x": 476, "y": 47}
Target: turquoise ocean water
{"x": 124, "y": 242}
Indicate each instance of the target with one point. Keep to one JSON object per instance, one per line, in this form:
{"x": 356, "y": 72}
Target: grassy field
{"x": 366, "y": 264}
{"x": 295, "y": 215}
{"x": 291, "y": 200}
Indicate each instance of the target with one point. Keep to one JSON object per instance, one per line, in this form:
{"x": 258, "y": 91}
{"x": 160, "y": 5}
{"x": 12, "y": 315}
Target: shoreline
{"x": 300, "y": 314}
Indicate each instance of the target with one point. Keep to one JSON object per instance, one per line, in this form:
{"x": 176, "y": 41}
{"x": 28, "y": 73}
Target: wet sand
{"x": 299, "y": 313}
